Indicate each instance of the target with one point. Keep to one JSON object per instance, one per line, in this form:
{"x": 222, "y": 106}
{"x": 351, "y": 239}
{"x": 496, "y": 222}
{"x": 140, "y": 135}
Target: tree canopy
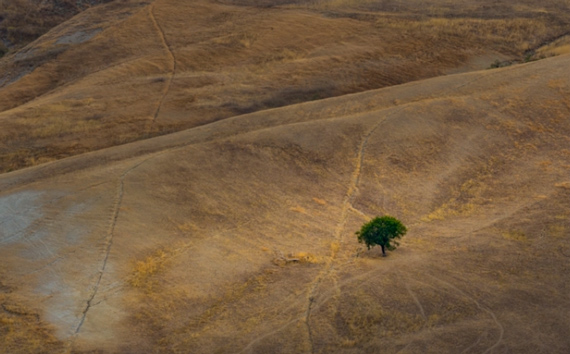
{"x": 383, "y": 231}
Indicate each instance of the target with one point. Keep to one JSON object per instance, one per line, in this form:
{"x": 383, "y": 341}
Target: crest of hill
{"x": 182, "y": 242}
{"x": 130, "y": 70}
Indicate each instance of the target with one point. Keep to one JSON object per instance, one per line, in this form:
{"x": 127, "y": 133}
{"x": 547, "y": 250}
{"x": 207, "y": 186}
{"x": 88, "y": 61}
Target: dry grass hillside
{"x": 130, "y": 70}
{"x": 182, "y": 243}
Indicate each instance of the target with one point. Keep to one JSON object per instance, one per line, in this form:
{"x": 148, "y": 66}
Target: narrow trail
{"x": 173, "y": 64}
{"x": 262, "y": 337}
{"x": 108, "y": 245}
{"x": 346, "y": 208}
{"x": 405, "y": 280}
{"x": 404, "y": 349}
{"x": 472, "y": 345}
{"x": 416, "y": 300}
{"x": 359, "y": 213}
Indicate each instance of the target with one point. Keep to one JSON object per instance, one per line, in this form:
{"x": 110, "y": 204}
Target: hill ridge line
{"x": 180, "y": 139}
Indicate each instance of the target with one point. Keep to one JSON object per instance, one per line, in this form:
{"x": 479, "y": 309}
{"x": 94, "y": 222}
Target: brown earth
{"x": 129, "y": 70}
{"x": 182, "y": 243}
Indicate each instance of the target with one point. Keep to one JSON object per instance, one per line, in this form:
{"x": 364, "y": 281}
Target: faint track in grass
{"x": 262, "y": 337}
{"x": 346, "y": 208}
{"x": 479, "y": 306}
{"x": 416, "y": 301}
{"x": 420, "y": 308}
{"x": 472, "y": 345}
{"x": 173, "y": 64}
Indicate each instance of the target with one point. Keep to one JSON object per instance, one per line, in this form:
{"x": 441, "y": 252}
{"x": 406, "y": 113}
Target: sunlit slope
{"x": 129, "y": 70}
{"x": 238, "y": 236}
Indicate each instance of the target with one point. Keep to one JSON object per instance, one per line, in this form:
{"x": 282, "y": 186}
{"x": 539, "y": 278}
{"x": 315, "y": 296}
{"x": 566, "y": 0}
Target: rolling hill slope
{"x": 238, "y": 235}
{"x": 129, "y": 70}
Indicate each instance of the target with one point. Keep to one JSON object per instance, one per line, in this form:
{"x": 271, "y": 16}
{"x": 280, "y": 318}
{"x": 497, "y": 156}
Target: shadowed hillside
{"x": 22, "y": 21}
{"x": 130, "y": 70}
{"x": 183, "y": 243}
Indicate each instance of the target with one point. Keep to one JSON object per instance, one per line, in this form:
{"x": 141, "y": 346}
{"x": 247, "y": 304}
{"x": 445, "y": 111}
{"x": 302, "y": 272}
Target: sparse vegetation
{"x": 383, "y": 231}
{"x": 515, "y": 235}
{"x": 500, "y": 64}
{"x": 144, "y": 270}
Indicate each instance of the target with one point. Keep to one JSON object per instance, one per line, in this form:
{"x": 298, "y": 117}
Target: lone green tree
{"x": 383, "y": 231}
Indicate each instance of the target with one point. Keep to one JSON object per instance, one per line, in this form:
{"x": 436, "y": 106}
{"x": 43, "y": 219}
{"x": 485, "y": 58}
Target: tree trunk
{"x": 383, "y": 251}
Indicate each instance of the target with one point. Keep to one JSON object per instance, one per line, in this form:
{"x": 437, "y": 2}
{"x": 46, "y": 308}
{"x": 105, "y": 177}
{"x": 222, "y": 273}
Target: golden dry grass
{"x": 235, "y": 58}
{"x": 145, "y": 270}
{"x": 558, "y": 47}
{"x": 238, "y": 236}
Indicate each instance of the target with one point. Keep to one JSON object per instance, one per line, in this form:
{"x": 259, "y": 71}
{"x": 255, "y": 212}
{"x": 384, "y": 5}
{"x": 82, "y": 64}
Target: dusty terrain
{"x": 179, "y": 243}
{"x": 129, "y": 70}
{"x": 213, "y": 197}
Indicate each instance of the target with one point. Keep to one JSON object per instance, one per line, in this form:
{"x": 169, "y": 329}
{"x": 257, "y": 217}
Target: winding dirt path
{"x": 107, "y": 249}
{"x": 346, "y": 208}
{"x": 108, "y": 242}
{"x": 172, "y": 58}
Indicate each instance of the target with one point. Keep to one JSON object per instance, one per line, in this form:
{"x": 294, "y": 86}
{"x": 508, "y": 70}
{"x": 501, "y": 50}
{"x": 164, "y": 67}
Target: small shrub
{"x": 500, "y": 64}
